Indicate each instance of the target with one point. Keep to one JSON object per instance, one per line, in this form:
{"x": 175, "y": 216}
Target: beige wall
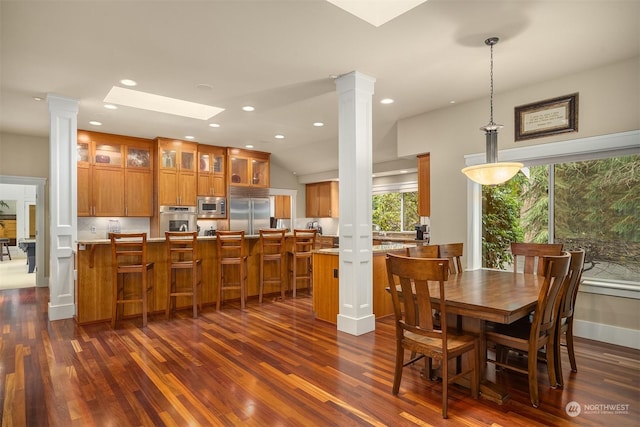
{"x": 609, "y": 102}
{"x": 22, "y": 155}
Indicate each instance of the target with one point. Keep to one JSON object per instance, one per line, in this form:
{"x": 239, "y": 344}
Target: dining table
{"x": 476, "y": 297}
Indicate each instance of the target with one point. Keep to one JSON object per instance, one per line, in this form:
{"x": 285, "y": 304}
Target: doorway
{"x": 30, "y": 210}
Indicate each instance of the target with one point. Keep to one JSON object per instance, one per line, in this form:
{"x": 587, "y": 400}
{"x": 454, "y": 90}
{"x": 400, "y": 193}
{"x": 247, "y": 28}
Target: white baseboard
{"x": 606, "y": 333}
{"x": 59, "y": 312}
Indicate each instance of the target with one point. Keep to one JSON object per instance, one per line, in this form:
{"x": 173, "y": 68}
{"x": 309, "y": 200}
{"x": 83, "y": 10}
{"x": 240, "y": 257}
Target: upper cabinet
{"x": 211, "y": 171}
{"x": 282, "y": 207}
{"x": 248, "y": 168}
{"x": 424, "y": 184}
{"x": 114, "y": 175}
{"x": 322, "y": 200}
{"x": 176, "y": 172}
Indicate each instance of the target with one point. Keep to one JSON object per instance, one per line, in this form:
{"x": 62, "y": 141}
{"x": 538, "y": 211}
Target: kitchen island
{"x": 326, "y": 281}
{"x": 93, "y": 286}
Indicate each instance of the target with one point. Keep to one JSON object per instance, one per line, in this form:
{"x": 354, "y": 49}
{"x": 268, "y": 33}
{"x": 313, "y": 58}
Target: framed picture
{"x": 549, "y": 117}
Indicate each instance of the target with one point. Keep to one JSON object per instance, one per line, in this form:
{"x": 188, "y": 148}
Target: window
{"x": 562, "y": 154}
{"x": 592, "y": 204}
{"x": 396, "y": 211}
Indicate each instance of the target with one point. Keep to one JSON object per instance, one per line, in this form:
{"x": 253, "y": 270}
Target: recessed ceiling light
{"x": 214, "y": 125}
{"x": 95, "y": 123}
{"x": 318, "y": 124}
{"x": 128, "y": 82}
{"x": 37, "y": 98}
{"x": 248, "y": 108}
{"x": 387, "y": 101}
{"x": 189, "y": 137}
{"x": 160, "y": 104}
{"x": 278, "y": 136}
{"x": 248, "y": 146}
{"x": 452, "y": 102}
{"x": 110, "y": 107}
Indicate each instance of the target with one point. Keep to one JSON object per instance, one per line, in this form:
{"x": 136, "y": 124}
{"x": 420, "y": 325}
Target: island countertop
{"x": 375, "y": 248}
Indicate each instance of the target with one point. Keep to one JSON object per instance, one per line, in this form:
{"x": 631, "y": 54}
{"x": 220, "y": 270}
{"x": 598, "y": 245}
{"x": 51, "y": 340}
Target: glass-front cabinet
{"x": 114, "y": 175}
{"x": 248, "y": 168}
{"x": 211, "y": 172}
{"x": 177, "y": 173}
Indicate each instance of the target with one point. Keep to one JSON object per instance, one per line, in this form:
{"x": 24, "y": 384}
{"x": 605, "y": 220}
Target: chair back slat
{"x": 532, "y": 255}
{"x": 453, "y": 252}
{"x": 182, "y": 247}
{"x": 575, "y": 276}
{"x": 551, "y": 291}
{"x": 423, "y": 251}
{"x": 230, "y": 245}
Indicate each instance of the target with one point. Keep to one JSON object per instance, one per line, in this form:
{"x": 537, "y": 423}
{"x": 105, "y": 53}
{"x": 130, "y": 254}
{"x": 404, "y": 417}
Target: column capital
{"x": 355, "y": 80}
{"x": 62, "y": 103}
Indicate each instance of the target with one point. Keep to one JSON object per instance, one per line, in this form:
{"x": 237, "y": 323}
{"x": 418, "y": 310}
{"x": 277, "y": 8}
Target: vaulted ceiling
{"x": 282, "y": 57}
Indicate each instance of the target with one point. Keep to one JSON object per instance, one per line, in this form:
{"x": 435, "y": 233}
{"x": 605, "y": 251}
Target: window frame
{"x": 590, "y": 148}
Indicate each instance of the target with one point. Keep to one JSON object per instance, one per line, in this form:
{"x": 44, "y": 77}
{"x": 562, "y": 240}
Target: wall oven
{"x": 177, "y": 218}
{"x": 212, "y": 207}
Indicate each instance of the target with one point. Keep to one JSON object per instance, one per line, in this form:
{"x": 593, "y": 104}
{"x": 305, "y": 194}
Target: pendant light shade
{"x": 492, "y": 172}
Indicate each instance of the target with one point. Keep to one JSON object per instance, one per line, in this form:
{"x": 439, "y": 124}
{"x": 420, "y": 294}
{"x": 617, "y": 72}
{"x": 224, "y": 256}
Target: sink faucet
{"x": 183, "y": 227}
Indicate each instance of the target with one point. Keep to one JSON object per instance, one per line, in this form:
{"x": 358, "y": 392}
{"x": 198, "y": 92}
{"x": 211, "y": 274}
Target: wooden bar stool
{"x": 231, "y": 254}
{"x": 182, "y": 254}
{"x": 304, "y": 241}
{"x": 129, "y": 256}
{"x": 272, "y": 250}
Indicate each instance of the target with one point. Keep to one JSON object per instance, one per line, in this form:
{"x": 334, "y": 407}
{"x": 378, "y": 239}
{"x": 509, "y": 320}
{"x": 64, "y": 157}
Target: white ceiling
{"x": 279, "y": 56}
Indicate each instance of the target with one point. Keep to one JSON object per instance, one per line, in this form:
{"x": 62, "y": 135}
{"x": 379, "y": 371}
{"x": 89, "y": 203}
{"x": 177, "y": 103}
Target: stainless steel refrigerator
{"x": 249, "y": 209}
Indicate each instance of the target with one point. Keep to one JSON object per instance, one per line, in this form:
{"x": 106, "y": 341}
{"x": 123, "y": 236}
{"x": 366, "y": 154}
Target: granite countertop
{"x": 375, "y": 248}
{"x": 153, "y": 239}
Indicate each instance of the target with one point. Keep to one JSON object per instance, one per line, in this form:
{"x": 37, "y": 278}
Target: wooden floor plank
{"x": 270, "y": 364}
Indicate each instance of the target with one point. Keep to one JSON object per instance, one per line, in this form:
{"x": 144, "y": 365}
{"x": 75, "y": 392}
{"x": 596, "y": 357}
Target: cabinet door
{"x": 167, "y": 187}
{"x": 108, "y": 192}
{"x": 219, "y": 185}
{"x": 259, "y": 173}
{"x": 187, "y": 189}
{"x": 424, "y": 184}
{"x": 239, "y": 171}
{"x": 312, "y": 200}
{"x": 85, "y": 201}
{"x": 328, "y": 199}
{"x": 138, "y": 193}
{"x": 283, "y": 207}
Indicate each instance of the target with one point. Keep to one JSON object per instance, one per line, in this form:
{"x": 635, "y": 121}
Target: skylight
{"x": 161, "y": 104}
{"x": 376, "y": 12}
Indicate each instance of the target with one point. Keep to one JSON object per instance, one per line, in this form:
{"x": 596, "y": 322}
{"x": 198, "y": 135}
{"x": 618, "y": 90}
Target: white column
{"x": 63, "y": 217}
{"x": 355, "y": 91}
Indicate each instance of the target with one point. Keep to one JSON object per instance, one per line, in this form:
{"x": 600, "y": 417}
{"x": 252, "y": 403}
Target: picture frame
{"x": 548, "y": 117}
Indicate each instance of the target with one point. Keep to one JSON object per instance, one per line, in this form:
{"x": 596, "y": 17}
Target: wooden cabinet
{"x": 114, "y": 175}
{"x": 424, "y": 184}
{"x": 322, "y": 200}
{"x": 248, "y": 168}
{"x": 282, "y": 207}
{"x": 176, "y": 172}
{"x": 211, "y": 171}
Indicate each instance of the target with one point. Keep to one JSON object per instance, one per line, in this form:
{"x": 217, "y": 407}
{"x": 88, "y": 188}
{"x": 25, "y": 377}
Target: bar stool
{"x": 304, "y": 241}
{"x": 231, "y": 253}
{"x": 4, "y": 243}
{"x": 272, "y": 250}
{"x": 182, "y": 254}
{"x": 129, "y": 256}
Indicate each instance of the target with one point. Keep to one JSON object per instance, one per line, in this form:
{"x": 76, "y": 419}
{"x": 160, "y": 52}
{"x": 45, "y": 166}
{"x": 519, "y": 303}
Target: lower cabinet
{"x": 326, "y": 285}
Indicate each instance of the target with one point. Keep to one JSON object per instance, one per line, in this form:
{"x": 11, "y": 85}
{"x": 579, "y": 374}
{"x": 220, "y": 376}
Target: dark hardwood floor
{"x": 270, "y": 365}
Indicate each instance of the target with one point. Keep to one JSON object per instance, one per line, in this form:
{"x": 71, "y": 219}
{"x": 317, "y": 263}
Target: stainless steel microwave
{"x": 212, "y": 207}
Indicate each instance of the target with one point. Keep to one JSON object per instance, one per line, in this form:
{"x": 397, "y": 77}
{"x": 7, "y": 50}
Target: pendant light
{"x": 492, "y": 172}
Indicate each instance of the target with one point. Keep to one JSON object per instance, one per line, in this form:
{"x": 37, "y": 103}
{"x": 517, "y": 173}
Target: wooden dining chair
{"x": 129, "y": 257}
{"x": 532, "y": 253}
{"x": 414, "y": 321}
{"x": 542, "y": 330}
{"x": 565, "y": 315}
{"x": 453, "y": 252}
{"x": 423, "y": 251}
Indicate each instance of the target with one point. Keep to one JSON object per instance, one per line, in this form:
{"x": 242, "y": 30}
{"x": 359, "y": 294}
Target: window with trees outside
{"x": 396, "y": 211}
{"x": 590, "y": 204}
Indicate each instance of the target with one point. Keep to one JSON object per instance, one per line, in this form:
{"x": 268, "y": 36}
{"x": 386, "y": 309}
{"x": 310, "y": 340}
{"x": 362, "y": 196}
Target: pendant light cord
{"x": 491, "y": 87}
